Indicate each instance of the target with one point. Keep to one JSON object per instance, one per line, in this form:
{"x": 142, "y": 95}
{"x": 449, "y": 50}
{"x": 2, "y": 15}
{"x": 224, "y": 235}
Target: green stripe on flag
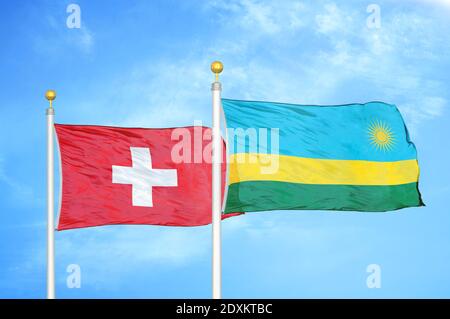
{"x": 269, "y": 195}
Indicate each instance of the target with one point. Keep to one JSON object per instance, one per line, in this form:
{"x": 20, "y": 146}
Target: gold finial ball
{"x": 216, "y": 67}
{"x": 50, "y": 95}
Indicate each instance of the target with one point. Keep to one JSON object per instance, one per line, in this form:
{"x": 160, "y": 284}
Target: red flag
{"x": 113, "y": 175}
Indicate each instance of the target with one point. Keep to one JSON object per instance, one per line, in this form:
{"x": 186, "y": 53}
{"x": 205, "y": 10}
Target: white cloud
{"x": 59, "y": 38}
{"x": 262, "y": 17}
{"x": 293, "y": 52}
{"x": 84, "y": 39}
{"x": 422, "y": 109}
{"x": 434, "y": 105}
{"x": 444, "y": 3}
{"x": 332, "y": 20}
{"x": 175, "y": 91}
{"x": 322, "y": 62}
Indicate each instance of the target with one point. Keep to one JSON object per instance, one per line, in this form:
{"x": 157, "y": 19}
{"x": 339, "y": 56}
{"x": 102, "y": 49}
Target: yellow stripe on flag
{"x": 267, "y": 167}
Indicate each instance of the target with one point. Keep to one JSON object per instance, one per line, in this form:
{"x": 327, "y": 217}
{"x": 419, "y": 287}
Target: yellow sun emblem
{"x": 381, "y": 136}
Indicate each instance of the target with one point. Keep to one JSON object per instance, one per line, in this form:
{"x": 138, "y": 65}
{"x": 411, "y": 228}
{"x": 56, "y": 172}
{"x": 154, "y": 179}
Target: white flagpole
{"x": 50, "y": 95}
{"x": 216, "y": 68}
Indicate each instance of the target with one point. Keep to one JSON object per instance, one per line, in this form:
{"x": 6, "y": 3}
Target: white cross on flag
{"x": 143, "y": 177}
{"x": 113, "y": 175}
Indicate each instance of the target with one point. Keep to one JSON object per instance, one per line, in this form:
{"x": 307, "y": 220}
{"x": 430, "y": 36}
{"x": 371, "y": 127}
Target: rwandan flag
{"x": 355, "y": 157}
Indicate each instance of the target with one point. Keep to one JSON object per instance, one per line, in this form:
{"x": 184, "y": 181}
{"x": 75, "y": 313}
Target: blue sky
{"x": 146, "y": 63}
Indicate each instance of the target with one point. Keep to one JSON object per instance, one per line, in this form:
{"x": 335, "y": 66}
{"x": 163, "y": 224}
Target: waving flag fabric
{"x": 347, "y": 157}
{"x": 113, "y": 175}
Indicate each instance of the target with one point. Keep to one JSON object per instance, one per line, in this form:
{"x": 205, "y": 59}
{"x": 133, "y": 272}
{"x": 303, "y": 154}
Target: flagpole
{"x": 216, "y": 88}
{"x": 50, "y": 95}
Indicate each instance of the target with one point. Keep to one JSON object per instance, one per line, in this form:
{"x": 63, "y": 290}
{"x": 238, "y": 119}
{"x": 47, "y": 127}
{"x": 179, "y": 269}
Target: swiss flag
{"x": 113, "y": 175}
